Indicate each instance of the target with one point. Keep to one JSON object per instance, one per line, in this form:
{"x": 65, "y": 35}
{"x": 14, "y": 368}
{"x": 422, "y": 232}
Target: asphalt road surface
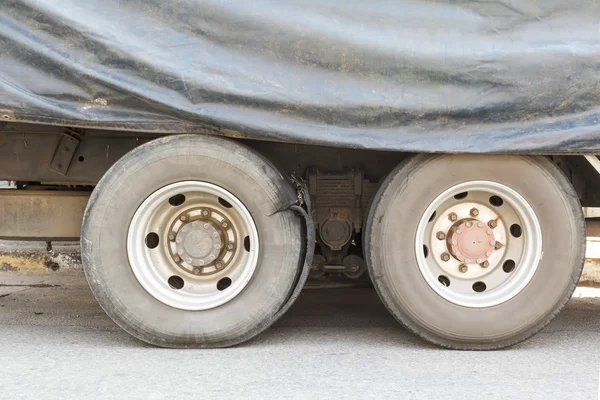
{"x": 56, "y": 343}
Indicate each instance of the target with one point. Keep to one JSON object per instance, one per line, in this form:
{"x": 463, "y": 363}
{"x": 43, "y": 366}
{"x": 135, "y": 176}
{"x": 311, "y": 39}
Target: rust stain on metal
{"x": 23, "y": 263}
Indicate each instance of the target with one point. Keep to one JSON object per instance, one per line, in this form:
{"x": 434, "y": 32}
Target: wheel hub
{"x": 199, "y": 243}
{"x": 471, "y": 241}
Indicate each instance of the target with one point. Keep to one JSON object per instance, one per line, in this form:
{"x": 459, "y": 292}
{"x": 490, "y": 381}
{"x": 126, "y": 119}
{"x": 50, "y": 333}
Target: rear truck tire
{"x": 187, "y": 241}
{"x": 475, "y": 252}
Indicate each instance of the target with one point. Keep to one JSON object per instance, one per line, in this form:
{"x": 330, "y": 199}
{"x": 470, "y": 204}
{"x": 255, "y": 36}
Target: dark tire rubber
{"x": 390, "y": 253}
{"x": 236, "y": 168}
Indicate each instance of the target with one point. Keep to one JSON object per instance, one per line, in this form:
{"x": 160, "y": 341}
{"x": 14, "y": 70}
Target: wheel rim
{"x": 478, "y": 244}
{"x": 193, "y": 245}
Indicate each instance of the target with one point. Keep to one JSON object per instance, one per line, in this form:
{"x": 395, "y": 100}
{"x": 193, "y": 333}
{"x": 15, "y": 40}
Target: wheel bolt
{"x": 177, "y": 259}
{"x": 445, "y": 257}
{"x": 441, "y": 235}
{"x": 205, "y": 213}
{"x": 219, "y": 264}
{"x": 225, "y": 224}
{"x": 188, "y": 260}
{"x": 485, "y": 264}
{"x": 498, "y": 246}
{"x": 463, "y": 268}
{"x": 492, "y": 223}
{"x": 217, "y": 246}
{"x": 172, "y": 236}
{"x": 469, "y": 224}
{"x": 196, "y": 270}
{"x": 230, "y": 246}
{"x": 474, "y": 212}
{"x": 452, "y": 217}
{"x": 183, "y": 218}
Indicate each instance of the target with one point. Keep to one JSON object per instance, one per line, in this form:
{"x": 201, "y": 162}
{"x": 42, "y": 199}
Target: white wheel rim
{"x": 465, "y": 234}
{"x": 207, "y": 240}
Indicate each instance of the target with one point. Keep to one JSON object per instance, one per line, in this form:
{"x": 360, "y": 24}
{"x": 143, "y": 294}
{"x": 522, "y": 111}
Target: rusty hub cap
{"x": 471, "y": 241}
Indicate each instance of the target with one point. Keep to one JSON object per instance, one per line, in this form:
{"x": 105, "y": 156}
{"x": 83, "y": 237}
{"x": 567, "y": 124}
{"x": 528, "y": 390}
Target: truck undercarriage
{"x": 466, "y": 233}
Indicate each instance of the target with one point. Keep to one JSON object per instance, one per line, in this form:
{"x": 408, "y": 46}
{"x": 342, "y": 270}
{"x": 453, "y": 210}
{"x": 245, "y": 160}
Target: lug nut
{"x": 485, "y": 264}
{"x": 183, "y": 218}
{"x": 225, "y": 224}
{"x": 452, "y": 217}
{"x": 463, "y": 268}
{"x": 177, "y": 259}
{"x": 474, "y": 212}
{"x": 219, "y": 265}
{"x": 445, "y": 257}
{"x": 196, "y": 270}
{"x": 172, "y": 237}
{"x": 492, "y": 223}
{"x": 217, "y": 246}
{"x": 498, "y": 246}
{"x": 188, "y": 260}
{"x": 469, "y": 224}
{"x": 440, "y": 235}
{"x": 480, "y": 224}
{"x": 230, "y": 246}
{"x": 205, "y": 213}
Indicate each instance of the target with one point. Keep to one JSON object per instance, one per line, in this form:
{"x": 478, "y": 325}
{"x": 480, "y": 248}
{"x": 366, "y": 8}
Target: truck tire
{"x": 187, "y": 241}
{"x": 475, "y": 252}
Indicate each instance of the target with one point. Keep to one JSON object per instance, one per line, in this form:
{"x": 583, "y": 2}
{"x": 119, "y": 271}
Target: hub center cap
{"x": 198, "y": 243}
{"x": 471, "y": 241}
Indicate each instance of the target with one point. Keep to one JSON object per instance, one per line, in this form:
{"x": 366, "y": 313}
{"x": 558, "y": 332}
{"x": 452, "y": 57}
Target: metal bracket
{"x": 7, "y": 115}
{"x": 66, "y": 147}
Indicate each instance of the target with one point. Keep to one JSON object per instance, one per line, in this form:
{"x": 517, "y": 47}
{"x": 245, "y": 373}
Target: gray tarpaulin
{"x": 474, "y": 76}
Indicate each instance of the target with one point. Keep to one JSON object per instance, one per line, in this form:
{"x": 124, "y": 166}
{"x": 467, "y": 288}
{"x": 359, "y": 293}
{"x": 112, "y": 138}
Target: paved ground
{"x": 335, "y": 343}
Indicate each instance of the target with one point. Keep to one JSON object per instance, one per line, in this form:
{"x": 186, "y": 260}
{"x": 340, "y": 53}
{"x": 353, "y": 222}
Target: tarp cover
{"x": 465, "y": 76}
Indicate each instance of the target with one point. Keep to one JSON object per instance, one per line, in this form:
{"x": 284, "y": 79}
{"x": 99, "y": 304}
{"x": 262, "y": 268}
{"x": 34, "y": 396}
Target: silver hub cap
{"x": 478, "y": 244}
{"x": 193, "y": 245}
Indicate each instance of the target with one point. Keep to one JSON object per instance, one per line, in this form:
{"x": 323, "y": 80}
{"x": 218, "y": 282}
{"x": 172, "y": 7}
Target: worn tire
{"x": 390, "y": 249}
{"x": 252, "y": 179}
